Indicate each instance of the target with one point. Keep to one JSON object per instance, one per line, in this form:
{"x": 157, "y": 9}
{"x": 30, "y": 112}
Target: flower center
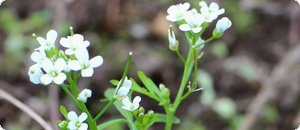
{"x": 53, "y": 73}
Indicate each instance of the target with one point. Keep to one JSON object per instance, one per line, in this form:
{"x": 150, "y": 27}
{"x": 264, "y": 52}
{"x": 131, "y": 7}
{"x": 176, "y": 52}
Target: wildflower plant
{"x": 63, "y": 68}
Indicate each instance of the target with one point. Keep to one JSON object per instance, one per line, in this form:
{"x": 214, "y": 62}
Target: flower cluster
{"x": 53, "y": 65}
{"x": 74, "y": 122}
{"x": 196, "y": 22}
{"x": 121, "y": 93}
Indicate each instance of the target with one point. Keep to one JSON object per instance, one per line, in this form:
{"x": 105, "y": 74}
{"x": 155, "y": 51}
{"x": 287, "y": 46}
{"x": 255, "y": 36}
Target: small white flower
{"x": 223, "y": 24}
{"x": 49, "y": 42}
{"x": 212, "y": 12}
{"x": 0, "y": 4}
{"x": 198, "y": 42}
{"x": 76, "y": 123}
{"x": 54, "y": 71}
{"x": 131, "y": 106}
{"x": 123, "y": 91}
{"x": 84, "y": 64}
{"x": 35, "y": 73}
{"x": 73, "y": 43}
{"x": 172, "y": 40}
{"x": 84, "y": 94}
{"x": 38, "y": 56}
{"x": 194, "y": 20}
{"x": 176, "y": 12}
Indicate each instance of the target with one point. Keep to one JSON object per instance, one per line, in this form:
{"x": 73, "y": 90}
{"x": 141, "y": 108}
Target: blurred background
{"x": 250, "y": 76}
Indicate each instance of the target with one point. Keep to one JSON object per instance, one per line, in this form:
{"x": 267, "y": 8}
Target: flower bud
{"x": 62, "y": 125}
{"x": 221, "y": 26}
{"x": 173, "y": 44}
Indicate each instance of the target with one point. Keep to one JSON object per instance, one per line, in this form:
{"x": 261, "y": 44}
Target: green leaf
{"x": 64, "y": 111}
{"x": 149, "y": 84}
{"x": 137, "y": 88}
{"x": 109, "y": 123}
{"x": 114, "y": 82}
{"x": 163, "y": 118}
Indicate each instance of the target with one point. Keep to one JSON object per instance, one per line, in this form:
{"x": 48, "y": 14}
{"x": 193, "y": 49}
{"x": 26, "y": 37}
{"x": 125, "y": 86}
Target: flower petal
{"x": 86, "y": 44}
{"x": 83, "y": 126}
{"x": 60, "y": 64}
{"x": 51, "y": 36}
{"x": 65, "y": 42}
{"x": 185, "y": 27}
{"x": 82, "y": 55}
{"x": 47, "y": 65}
{"x": 88, "y": 72}
{"x": 69, "y": 52}
{"x": 72, "y": 125}
{"x": 41, "y": 40}
{"x": 46, "y": 79}
{"x": 96, "y": 61}
{"x": 136, "y": 102}
{"x": 72, "y": 116}
{"x": 36, "y": 57}
{"x": 82, "y": 117}
{"x": 74, "y": 65}
{"x": 60, "y": 78}
{"x": 197, "y": 30}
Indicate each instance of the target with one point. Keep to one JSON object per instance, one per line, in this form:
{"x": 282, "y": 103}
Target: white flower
{"x": 76, "y": 123}
{"x": 212, "y": 12}
{"x": 198, "y": 42}
{"x": 176, "y": 12}
{"x": 194, "y": 20}
{"x": 298, "y": 128}
{"x": 84, "y": 94}
{"x": 84, "y": 64}
{"x": 223, "y": 24}
{"x": 35, "y": 73}
{"x": 54, "y": 71}
{"x": 49, "y": 42}
{"x": 38, "y": 56}
{"x": 131, "y": 106}
{"x": 73, "y": 43}
{"x": 123, "y": 91}
{"x": 172, "y": 40}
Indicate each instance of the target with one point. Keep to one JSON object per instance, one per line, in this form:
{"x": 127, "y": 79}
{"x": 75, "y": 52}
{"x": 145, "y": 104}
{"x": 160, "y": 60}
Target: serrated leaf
{"x": 109, "y": 123}
{"x": 64, "y": 111}
{"x": 149, "y": 84}
{"x": 163, "y": 118}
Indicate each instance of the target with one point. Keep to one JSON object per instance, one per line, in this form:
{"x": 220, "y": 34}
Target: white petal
{"x": 221, "y": 11}
{"x": 126, "y": 102}
{"x": 82, "y": 55}
{"x": 88, "y": 72}
{"x": 60, "y": 64}
{"x": 136, "y": 102}
{"x": 65, "y": 42}
{"x": 214, "y": 6}
{"x": 51, "y": 36}
{"x": 171, "y": 18}
{"x": 184, "y": 27}
{"x": 74, "y": 65}
{"x": 197, "y": 30}
{"x": 82, "y": 117}
{"x": 185, "y": 6}
{"x": 72, "y": 125}
{"x": 46, "y": 79}
{"x": 96, "y": 61}
{"x": 83, "y": 126}
{"x": 77, "y": 38}
{"x": 123, "y": 91}
{"x": 172, "y": 9}
{"x": 86, "y": 44}
{"x": 35, "y": 74}
{"x": 41, "y": 40}
{"x": 127, "y": 83}
{"x": 72, "y": 116}
{"x": 36, "y": 57}
{"x": 69, "y": 52}
{"x": 60, "y": 78}
{"x": 47, "y": 65}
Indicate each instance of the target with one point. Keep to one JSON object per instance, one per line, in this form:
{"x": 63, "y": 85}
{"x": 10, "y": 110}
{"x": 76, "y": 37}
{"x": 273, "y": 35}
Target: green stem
{"x": 69, "y": 94}
{"x": 105, "y": 109}
{"x": 180, "y": 56}
{"x": 207, "y": 41}
{"x": 184, "y": 81}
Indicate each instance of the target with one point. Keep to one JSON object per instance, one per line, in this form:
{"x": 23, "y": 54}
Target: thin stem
{"x": 125, "y": 71}
{"x": 70, "y": 94}
{"x": 207, "y": 41}
{"x": 105, "y": 109}
{"x": 180, "y": 56}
